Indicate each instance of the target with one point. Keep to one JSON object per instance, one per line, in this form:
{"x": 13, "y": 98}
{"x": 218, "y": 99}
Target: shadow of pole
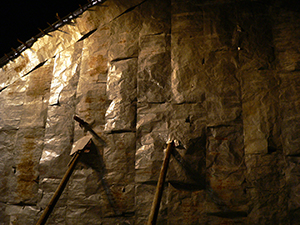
{"x": 94, "y": 159}
{"x": 203, "y": 184}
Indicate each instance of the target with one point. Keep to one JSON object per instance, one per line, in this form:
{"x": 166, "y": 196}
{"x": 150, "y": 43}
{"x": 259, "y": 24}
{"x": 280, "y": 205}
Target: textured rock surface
{"x": 219, "y": 77}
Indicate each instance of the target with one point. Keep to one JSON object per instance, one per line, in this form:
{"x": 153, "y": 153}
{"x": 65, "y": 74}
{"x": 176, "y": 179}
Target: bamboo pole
{"x": 160, "y": 184}
{"x": 59, "y": 190}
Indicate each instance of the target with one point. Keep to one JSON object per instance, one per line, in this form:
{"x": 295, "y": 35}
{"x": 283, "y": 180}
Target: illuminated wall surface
{"x": 220, "y": 77}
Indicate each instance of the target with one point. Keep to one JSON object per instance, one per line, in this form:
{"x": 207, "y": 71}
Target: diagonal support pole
{"x": 60, "y": 188}
{"x": 160, "y": 184}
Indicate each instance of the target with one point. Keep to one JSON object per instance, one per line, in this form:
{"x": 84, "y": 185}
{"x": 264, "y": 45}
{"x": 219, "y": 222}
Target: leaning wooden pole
{"x": 59, "y": 190}
{"x": 160, "y": 185}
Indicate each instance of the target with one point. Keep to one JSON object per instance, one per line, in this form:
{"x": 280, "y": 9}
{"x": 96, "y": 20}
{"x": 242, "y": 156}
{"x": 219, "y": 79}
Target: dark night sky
{"x": 20, "y": 19}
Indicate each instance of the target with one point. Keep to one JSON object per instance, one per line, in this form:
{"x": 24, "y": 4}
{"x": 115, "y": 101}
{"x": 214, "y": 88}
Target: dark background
{"x": 21, "y": 19}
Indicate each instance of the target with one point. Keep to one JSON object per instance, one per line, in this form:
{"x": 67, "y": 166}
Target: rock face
{"x": 219, "y": 77}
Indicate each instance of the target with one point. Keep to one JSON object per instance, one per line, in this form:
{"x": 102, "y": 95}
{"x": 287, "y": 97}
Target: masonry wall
{"x": 219, "y": 77}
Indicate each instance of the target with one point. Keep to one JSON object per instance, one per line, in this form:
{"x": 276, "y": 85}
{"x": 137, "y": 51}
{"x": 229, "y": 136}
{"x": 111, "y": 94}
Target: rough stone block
{"x": 289, "y": 90}
{"x": 4, "y": 218}
{"x": 188, "y": 79}
{"x": 84, "y": 215}
{"x": 255, "y": 38}
{"x": 260, "y": 116}
{"x": 84, "y": 188}
{"x": 265, "y": 170}
{"x": 11, "y": 107}
{"x": 124, "y": 36}
{"x": 222, "y": 88}
{"x": 118, "y": 220}
{"x": 186, "y": 207}
{"x": 58, "y": 140}
{"x": 121, "y": 88}
{"x": 9, "y": 74}
{"x": 189, "y": 22}
{"x": 94, "y": 58}
{"x": 124, "y": 198}
{"x": 160, "y": 117}
{"x": 48, "y": 186}
{"x": 151, "y": 117}
{"x": 27, "y": 151}
{"x": 185, "y": 9}
{"x": 156, "y": 17}
{"x": 37, "y": 96}
{"x": 265, "y": 188}
{"x": 225, "y": 168}
{"x": 103, "y": 14}
{"x": 154, "y": 68}
{"x": 21, "y": 214}
{"x": 119, "y": 158}
{"x": 121, "y": 80}
{"x": 120, "y": 116}
{"x": 8, "y": 164}
{"x": 65, "y": 75}
{"x": 11, "y": 117}
{"x": 286, "y": 35}
{"x": 292, "y": 180}
{"x": 92, "y": 104}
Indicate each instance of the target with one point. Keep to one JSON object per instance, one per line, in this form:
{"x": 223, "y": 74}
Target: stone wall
{"x": 219, "y": 77}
